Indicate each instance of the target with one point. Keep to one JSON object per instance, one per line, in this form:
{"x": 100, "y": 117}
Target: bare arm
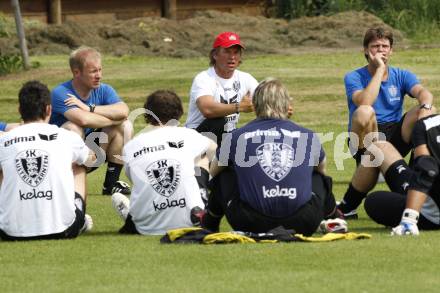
{"x": 118, "y": 111}
{"x": 369, "y": 95}
{"x": 215, "y": 169}
{"x": 88, "y": 119}
{"x": 212, "y": 109}
{"x": 424, "y": 97}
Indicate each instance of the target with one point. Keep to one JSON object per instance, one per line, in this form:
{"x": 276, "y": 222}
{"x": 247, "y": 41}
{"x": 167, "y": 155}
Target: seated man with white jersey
{"x": 43, "y": 192}
{"x": 219, "y": 94}
{"x": 275, "y": 172}
{"x": 160, "y": 162}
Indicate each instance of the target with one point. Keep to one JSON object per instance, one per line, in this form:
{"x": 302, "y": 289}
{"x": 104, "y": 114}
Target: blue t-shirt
{"x": 274, "y": 161}
{"x": 2, "y": 126}
{"x": 388, "y": 105}
{"x": 103, "y": 95}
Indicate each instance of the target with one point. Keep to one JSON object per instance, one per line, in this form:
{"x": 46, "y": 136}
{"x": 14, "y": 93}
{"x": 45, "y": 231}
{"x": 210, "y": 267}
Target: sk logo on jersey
{"x": 276, "y": 159}
{"x": 32, "y": 166}
{"x": 236, "y": 86}
{"x": 164, "y": 176}
{"x": 392, "y": 90}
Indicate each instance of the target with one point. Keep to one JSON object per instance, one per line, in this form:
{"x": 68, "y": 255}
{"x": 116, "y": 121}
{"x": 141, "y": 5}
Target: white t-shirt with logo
{"x": 160, "y": 163}
{"x": 226, "y": 91}
{"x": 37, "y": 192}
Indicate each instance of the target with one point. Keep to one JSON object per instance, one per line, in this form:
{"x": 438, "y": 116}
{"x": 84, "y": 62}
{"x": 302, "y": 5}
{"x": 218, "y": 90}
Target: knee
{"x": 73, "y": 127}
{"x": 125, "y": 129}
{"x": 364, "y": 115}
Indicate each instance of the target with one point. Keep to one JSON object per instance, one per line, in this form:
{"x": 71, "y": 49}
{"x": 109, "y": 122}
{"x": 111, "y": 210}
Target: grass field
{"x": 102, "y": 260}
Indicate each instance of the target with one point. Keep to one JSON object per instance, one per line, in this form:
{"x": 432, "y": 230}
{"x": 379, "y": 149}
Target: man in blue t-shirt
{"x": 375, "y": 96}
{"x": 85, "y": 105}
{"x": 275, "y": 175}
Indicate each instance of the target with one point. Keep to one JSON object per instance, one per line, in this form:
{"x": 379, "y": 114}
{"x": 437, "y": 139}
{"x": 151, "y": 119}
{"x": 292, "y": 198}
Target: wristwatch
{"x": 92, "y": 107}
{"x": 425, "y": 106}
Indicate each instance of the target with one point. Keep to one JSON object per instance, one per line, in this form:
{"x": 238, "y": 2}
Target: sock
{"x": 358, "y": 155}
{"x": 202, "y": 181}
{"x": 211, "y": 222}
{"x": 112, "y": 175}
{"x": 352, "y": 199}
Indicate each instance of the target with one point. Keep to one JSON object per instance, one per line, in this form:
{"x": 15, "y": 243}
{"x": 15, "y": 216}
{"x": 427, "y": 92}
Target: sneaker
{"x": 120, "y": 187}
{"x": 350, "y": 215}
{"x": 197, "y": 215}
{"x": 88, "y": 223}
{"x": 121, "y": 205}
{"x": 333, "y": 226}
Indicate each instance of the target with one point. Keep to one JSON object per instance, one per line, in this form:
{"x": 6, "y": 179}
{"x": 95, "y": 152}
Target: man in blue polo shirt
{"x": 275, "y": 175}
{"x": 84, "y": 104}
{"x": 375, "y": 95}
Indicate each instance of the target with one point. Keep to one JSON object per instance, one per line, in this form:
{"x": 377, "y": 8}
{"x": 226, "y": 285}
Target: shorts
{"x": 129, "y": 226}
{"x": 393, "y": 134}
{"x": 90, "y": 131}
{"x": 71, "y": 232}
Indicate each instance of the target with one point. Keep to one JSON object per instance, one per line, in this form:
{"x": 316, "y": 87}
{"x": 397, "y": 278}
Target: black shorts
{"x": 213, "y": 126}
{"x": 386, "y": 208}
{"x": 71, "y": 232}
{"x": 393, "y": 134}
{"x": 100, "y": 155}
{"x": 225, "y": 199}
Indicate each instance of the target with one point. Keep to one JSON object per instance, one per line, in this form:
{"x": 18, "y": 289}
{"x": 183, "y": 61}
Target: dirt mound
{"x": 194, "y": 36}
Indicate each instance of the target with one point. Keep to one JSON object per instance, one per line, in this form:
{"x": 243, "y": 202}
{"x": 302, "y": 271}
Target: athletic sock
{"x": 358, "y": 155}
{"x": 112, "y": 175}
{"x": 202, "y": 181}
{"x": 352, "y": 199}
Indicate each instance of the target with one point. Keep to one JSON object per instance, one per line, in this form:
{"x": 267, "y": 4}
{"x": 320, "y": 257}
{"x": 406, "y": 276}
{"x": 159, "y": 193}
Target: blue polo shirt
{"x": 274, "y": 161}
{"x": 2, "y": 126}
{"x": 389, "y": 103}
{"x": 103, "y": 95}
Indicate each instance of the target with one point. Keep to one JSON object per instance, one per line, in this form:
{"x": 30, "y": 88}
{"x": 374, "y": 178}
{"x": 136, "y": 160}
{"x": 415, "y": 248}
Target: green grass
{"x": 103, "y": 261}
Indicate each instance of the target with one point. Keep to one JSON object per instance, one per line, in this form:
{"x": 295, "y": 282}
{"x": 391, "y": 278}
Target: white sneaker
{"x": 88, "y": 223}
{"x": 333, "y": 226}
{"x": 121, "y": 204}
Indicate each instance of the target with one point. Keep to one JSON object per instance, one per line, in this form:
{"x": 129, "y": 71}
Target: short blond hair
{"x": 271, "y": 99}
{"x": 79, "y": 56}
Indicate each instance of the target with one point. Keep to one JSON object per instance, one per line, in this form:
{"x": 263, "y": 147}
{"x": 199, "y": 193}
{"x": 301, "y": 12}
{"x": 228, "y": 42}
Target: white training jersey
{"x": 37, "y": 192}
{"x": 226, "y": 91}
{"x": 160, "y": 163}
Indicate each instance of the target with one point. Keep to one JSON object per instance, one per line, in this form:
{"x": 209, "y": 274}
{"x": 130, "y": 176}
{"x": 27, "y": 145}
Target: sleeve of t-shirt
{"x": 109, "y": 95}
{"x": 59, "y": 94}
{"x": 409, "y": 81}
{"x": 199, "y": 143}
{"x": 352, "y": 82}
{"x": 201, "y": 87}
{"x": 252, "y": 84}
{"x": 419, "y": 134}
{"x": 80, "y": 149}
{"x": 317, "y": 151}
{"x": 2, "y": 126}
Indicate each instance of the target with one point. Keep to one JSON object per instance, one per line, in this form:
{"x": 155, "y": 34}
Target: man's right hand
{"x": 377, "y": 60}
{"x": 246, "y": 104}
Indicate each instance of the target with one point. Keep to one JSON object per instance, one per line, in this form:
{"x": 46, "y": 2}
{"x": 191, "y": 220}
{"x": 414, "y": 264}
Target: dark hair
{"x": 163, "y": 105}
{"x": 214, "y": 51}
{"x": 33, "y": 99}
{"x": 377, "y": 33}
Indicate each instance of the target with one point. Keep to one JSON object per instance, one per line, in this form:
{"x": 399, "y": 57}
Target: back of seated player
{"x": 42, "y": 194}
{"x": 160, "y": 163}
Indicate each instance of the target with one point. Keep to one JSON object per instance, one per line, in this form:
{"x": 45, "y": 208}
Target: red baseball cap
{"x": 226, "y": 40}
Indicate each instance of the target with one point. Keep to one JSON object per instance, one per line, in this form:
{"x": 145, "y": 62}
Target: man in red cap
{"x": 219, "y": 94}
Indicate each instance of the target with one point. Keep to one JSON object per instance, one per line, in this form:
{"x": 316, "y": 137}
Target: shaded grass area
{"x": 102, "y": 260}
